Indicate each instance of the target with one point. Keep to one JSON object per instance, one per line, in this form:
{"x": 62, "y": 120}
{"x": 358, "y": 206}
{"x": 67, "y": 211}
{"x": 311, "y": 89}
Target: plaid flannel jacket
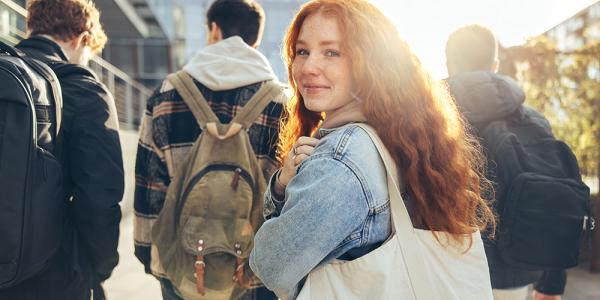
{"x": 167, "y": 133}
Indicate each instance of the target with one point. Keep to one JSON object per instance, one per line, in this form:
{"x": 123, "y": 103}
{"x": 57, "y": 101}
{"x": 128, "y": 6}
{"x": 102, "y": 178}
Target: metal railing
{"x": 130, "y": 95}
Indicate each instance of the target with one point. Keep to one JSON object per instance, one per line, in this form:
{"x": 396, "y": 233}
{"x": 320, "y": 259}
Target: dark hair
{"x": 471, "y": 48}
{"x": 244, "y": 18}
{"x": 65, "y": 20}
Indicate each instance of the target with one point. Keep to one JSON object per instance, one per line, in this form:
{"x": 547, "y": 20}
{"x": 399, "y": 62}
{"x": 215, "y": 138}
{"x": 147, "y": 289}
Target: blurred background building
{"x": 151, "y": 38}
{"x": 144, "y": 38}
{"x": 581, "y": 29}
{"x": 130, "y": 95}
{"x": 148, "y": 39}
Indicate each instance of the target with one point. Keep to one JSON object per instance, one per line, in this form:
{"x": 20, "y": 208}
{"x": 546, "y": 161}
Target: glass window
{"x": 156, "y": 58}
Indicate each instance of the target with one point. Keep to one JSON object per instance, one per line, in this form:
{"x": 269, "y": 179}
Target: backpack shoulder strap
{"x": 46, "y": 72}
{"x": 9, "y": 49}
{"x": 185, "y": 86}
{"x": 248, "y": 114}
{"x": 52, "y": 79}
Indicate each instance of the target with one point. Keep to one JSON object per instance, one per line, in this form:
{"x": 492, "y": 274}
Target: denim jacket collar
{"x": 322, "y": 132}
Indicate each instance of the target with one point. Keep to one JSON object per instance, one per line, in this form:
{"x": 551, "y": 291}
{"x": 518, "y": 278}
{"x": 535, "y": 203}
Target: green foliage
{"x": 565, "y": 87}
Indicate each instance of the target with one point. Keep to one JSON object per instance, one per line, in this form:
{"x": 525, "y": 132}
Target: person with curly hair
{"x": 329, "y": 203}
{"x": 64, "y": 34}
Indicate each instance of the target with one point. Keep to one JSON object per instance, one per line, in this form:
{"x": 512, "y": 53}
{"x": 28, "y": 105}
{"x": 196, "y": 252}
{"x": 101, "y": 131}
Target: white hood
{"x": 229, "y": 64}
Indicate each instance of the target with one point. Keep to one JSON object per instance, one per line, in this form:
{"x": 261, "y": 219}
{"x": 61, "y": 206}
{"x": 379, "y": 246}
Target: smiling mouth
{"x": 314, "y": 89}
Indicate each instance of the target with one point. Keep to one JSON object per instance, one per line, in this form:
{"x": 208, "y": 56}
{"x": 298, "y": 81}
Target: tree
{"x": 565, "y": 87}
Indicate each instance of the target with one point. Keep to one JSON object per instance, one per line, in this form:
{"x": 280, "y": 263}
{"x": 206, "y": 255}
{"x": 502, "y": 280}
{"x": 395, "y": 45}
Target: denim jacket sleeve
{"x": 324, "y": 203}
{"x": 272, "y": 205}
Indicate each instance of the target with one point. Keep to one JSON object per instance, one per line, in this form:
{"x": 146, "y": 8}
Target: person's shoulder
{"x": 537, "y": 118}
{"x": 165, "y": 87}
{"x": 81, "y": 83}
{"x": 284, "y": 95}
{"x": 347, "y": 142}
{"x": 532, "y": 112}
{"x": 77, "y": 76}
{"x": 352, "y": 147}
{"x": 164, "y": 92}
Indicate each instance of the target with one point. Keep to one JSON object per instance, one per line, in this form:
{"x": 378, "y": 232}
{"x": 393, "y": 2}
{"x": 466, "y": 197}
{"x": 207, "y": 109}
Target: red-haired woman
{"x": 330, "y": 203}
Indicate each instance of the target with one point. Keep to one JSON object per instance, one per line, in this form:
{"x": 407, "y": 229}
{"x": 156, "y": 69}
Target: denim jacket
{"x": 336, "y": 207}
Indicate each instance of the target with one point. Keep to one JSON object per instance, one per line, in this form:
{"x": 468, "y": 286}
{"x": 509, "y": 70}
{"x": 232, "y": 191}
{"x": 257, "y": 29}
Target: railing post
{"x": 111, "y": 83}
{"x": 4, "y": 23}
{"x": 129, "y": 105}
{"x": 142, "y": 106}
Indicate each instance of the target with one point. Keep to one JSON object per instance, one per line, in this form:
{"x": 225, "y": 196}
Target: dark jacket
{"x": 483, "y": 97}
{"x": 93, "y": 179}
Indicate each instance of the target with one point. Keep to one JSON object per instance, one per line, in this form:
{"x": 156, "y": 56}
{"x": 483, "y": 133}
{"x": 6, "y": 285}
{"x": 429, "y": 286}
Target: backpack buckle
{"x": 589, "y": 223}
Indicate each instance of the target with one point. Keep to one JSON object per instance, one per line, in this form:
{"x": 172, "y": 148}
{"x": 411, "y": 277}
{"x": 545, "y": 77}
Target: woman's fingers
{"x": 299, "y": 158}
{"x": 306, "y": 140}
{"x": 301, "y": 151}
{"x": 304, "y": 149}
{"x": 304, "y": 145}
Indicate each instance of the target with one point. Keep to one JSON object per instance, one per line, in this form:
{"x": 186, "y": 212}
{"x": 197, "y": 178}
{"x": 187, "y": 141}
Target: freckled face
{"x": 321, "y": 70}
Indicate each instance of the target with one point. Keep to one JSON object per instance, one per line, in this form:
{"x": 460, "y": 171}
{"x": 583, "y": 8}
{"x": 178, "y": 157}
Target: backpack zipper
{"x": 238, "y": 172}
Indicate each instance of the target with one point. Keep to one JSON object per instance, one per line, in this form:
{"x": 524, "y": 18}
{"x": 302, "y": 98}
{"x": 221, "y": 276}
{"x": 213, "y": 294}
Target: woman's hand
{"x": 301, "y": 151}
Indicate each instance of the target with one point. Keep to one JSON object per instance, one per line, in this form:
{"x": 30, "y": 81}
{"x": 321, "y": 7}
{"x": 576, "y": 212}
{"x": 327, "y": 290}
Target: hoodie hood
{"x": 485, "y": 96}
{"x": 229, "y": 64}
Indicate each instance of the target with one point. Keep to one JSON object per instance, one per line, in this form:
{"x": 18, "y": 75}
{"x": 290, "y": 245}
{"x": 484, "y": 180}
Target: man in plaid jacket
{"x": 228, "y": 72}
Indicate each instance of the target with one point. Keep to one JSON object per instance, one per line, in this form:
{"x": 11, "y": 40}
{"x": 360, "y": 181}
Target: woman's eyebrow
{"x": 321, "y": 43}
{"x": 329, "y": 43}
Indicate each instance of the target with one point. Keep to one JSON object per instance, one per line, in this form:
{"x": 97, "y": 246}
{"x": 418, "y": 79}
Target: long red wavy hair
{"x": 440, "y": 163}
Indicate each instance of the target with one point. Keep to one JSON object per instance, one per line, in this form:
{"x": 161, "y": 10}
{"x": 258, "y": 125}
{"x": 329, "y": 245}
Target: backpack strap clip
{"x": 213, "y": 130}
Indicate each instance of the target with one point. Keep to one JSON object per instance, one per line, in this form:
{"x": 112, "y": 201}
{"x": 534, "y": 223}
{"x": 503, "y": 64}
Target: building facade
{"x": 581, "y": 29}
{"x": 149, "y": 39}
{"x": 144, "y": 37}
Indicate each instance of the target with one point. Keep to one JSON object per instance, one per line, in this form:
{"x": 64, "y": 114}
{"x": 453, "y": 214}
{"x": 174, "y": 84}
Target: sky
{"x": 426, "y": 24}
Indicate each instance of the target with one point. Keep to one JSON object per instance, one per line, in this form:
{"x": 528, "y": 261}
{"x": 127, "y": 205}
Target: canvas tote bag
{"x": 412, "y": 264}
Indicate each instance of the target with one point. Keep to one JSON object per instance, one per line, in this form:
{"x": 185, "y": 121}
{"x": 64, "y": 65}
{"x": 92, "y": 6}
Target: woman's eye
{"x": 301, "y": 52}
{"x": 332, "y": 53}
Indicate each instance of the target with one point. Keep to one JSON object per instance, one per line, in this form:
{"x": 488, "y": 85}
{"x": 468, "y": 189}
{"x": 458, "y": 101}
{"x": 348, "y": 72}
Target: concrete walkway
{"x": 582, "y": 285}
{"x": 129, "y": 282}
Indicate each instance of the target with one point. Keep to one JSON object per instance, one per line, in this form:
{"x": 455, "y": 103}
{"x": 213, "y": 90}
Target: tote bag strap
{"x": 418, "y": 273}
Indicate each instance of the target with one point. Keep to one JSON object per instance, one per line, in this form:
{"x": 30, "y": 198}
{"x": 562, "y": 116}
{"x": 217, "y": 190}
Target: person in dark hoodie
{"x": 228, "y": 72}
{"x": 482, "y": 96}
{"x": 64, "y": 34}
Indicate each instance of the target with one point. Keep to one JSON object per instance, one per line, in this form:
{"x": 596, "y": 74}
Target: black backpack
{"x": 32, "y": 202}
{"x": 542, "y": 204}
